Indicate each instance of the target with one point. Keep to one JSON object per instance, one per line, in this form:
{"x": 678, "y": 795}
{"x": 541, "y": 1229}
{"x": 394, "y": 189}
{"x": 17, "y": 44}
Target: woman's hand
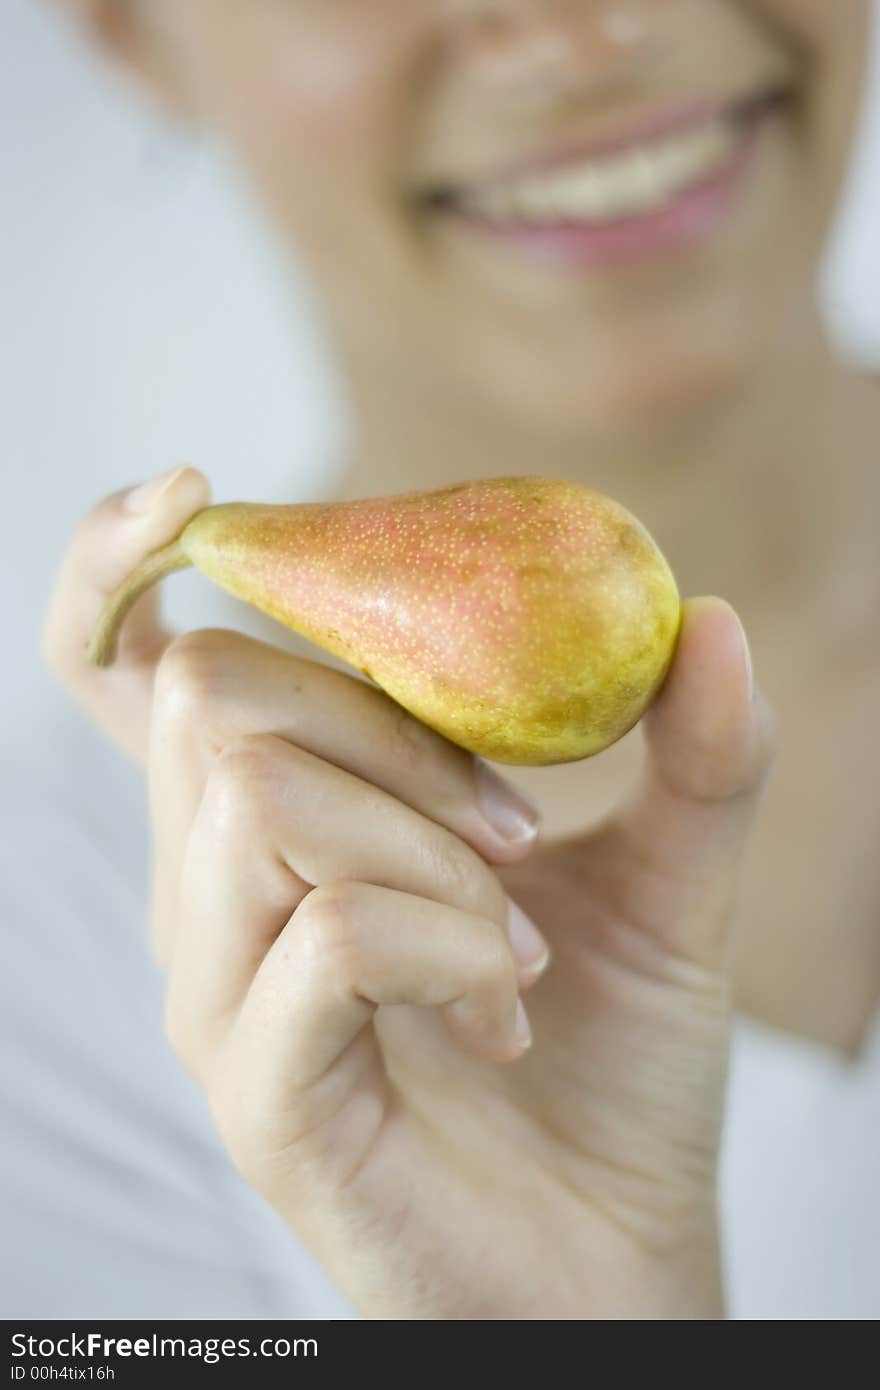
{"x": 334, "y": 890}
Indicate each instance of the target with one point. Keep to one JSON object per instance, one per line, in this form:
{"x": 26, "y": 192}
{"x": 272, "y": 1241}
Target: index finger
{"x": 106, "y": 546}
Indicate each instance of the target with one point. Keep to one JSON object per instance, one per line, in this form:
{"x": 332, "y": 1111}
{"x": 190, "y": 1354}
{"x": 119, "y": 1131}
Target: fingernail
{"x": 530, "y": 950}
{"x": 143, "y": 498}
{"x": 510, "y": 814}
{"x": 747, "y": 654}
{"x": 522, "y": 1027}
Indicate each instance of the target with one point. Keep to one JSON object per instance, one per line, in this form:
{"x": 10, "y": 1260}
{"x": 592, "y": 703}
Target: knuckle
{"x": 411, "y": 743}
{"x": 189, "y": 675}
{"x": 240, "y": 783}
{"x": 188, "y": 1041}
{"x": 492, "y": 899}
{"x": 250, "y": 1136}
{"x": 241, "y": 1145}
{"x": 717, "y": 776}
{"x": 724, "y": 765}
{"x": 494, "y": 968}
{"x": 328, "y": 930}
{"x": 61, "y": 652}
{"x": 85, "y": 532}
{"x": 467, "y": 881}
{"x": 745, "y": 779}
{"x": 489, "y": 982}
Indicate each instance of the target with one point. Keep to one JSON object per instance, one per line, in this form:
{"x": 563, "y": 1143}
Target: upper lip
{"x": 639, "y": 130}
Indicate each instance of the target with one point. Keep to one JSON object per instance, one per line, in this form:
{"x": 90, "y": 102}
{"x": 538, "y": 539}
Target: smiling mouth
{"x": 689, "y": 165}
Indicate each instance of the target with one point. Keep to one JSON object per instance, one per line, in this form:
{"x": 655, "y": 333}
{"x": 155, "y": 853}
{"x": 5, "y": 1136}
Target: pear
{"x": 528, "y": 620}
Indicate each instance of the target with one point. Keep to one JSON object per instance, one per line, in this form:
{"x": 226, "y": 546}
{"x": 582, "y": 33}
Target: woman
{"x": 577, "y": 239}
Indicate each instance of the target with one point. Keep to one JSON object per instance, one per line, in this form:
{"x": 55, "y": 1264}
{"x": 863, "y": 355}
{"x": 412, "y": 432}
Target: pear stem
{"x": 101, "y": 649}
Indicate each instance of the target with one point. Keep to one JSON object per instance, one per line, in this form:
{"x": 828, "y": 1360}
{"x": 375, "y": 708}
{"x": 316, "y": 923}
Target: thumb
{"x": 710, "y": 743}
{"x": 107, "y": 545}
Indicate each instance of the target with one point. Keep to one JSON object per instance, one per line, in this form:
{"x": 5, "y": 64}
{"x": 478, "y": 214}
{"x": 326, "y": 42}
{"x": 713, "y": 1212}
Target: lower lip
{"x": 692, "y": 216}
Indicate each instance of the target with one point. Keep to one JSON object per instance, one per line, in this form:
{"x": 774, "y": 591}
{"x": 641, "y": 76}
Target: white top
{"x": 800, "y": 1204}
{"x": 116, "y": 1197}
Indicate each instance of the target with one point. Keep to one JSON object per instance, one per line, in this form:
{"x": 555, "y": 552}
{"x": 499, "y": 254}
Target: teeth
{"x": 634, "y": 183}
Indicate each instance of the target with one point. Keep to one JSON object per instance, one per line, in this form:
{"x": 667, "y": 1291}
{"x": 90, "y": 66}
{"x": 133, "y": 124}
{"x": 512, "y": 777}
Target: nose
{"x": 517, "y": 43}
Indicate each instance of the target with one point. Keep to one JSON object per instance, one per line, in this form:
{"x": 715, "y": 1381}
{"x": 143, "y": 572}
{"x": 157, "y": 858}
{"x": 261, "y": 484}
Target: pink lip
{"x": 691, "y": 216}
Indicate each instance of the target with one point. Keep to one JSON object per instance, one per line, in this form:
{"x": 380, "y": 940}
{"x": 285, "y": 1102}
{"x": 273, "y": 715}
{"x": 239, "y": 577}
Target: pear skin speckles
{"x": 526, "y": 619}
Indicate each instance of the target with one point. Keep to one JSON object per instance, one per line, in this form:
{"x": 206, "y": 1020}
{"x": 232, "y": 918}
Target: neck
{"x": 767, "y": 498}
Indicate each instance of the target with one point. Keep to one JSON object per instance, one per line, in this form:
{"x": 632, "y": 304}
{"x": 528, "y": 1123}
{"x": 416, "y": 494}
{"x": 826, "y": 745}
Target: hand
{"x": 333, "y": 906}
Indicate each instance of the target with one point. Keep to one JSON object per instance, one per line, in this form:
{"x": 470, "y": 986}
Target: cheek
{"x": 319, "y": 97}
{"x": 313, "y": 98}
{"x": 832, "y": 35}
{"x": 820, "y": 24}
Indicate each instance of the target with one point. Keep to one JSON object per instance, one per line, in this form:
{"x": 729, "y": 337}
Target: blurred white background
{"x": 147, "y": 320}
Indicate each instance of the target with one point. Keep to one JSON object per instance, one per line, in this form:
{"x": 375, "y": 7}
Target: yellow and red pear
{"x": 529, "y": 620}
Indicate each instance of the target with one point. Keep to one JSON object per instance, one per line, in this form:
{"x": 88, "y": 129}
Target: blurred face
{"x": 581, "y": 213}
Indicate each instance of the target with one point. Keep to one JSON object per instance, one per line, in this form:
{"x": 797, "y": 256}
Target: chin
{"x": 639, "y": 386}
